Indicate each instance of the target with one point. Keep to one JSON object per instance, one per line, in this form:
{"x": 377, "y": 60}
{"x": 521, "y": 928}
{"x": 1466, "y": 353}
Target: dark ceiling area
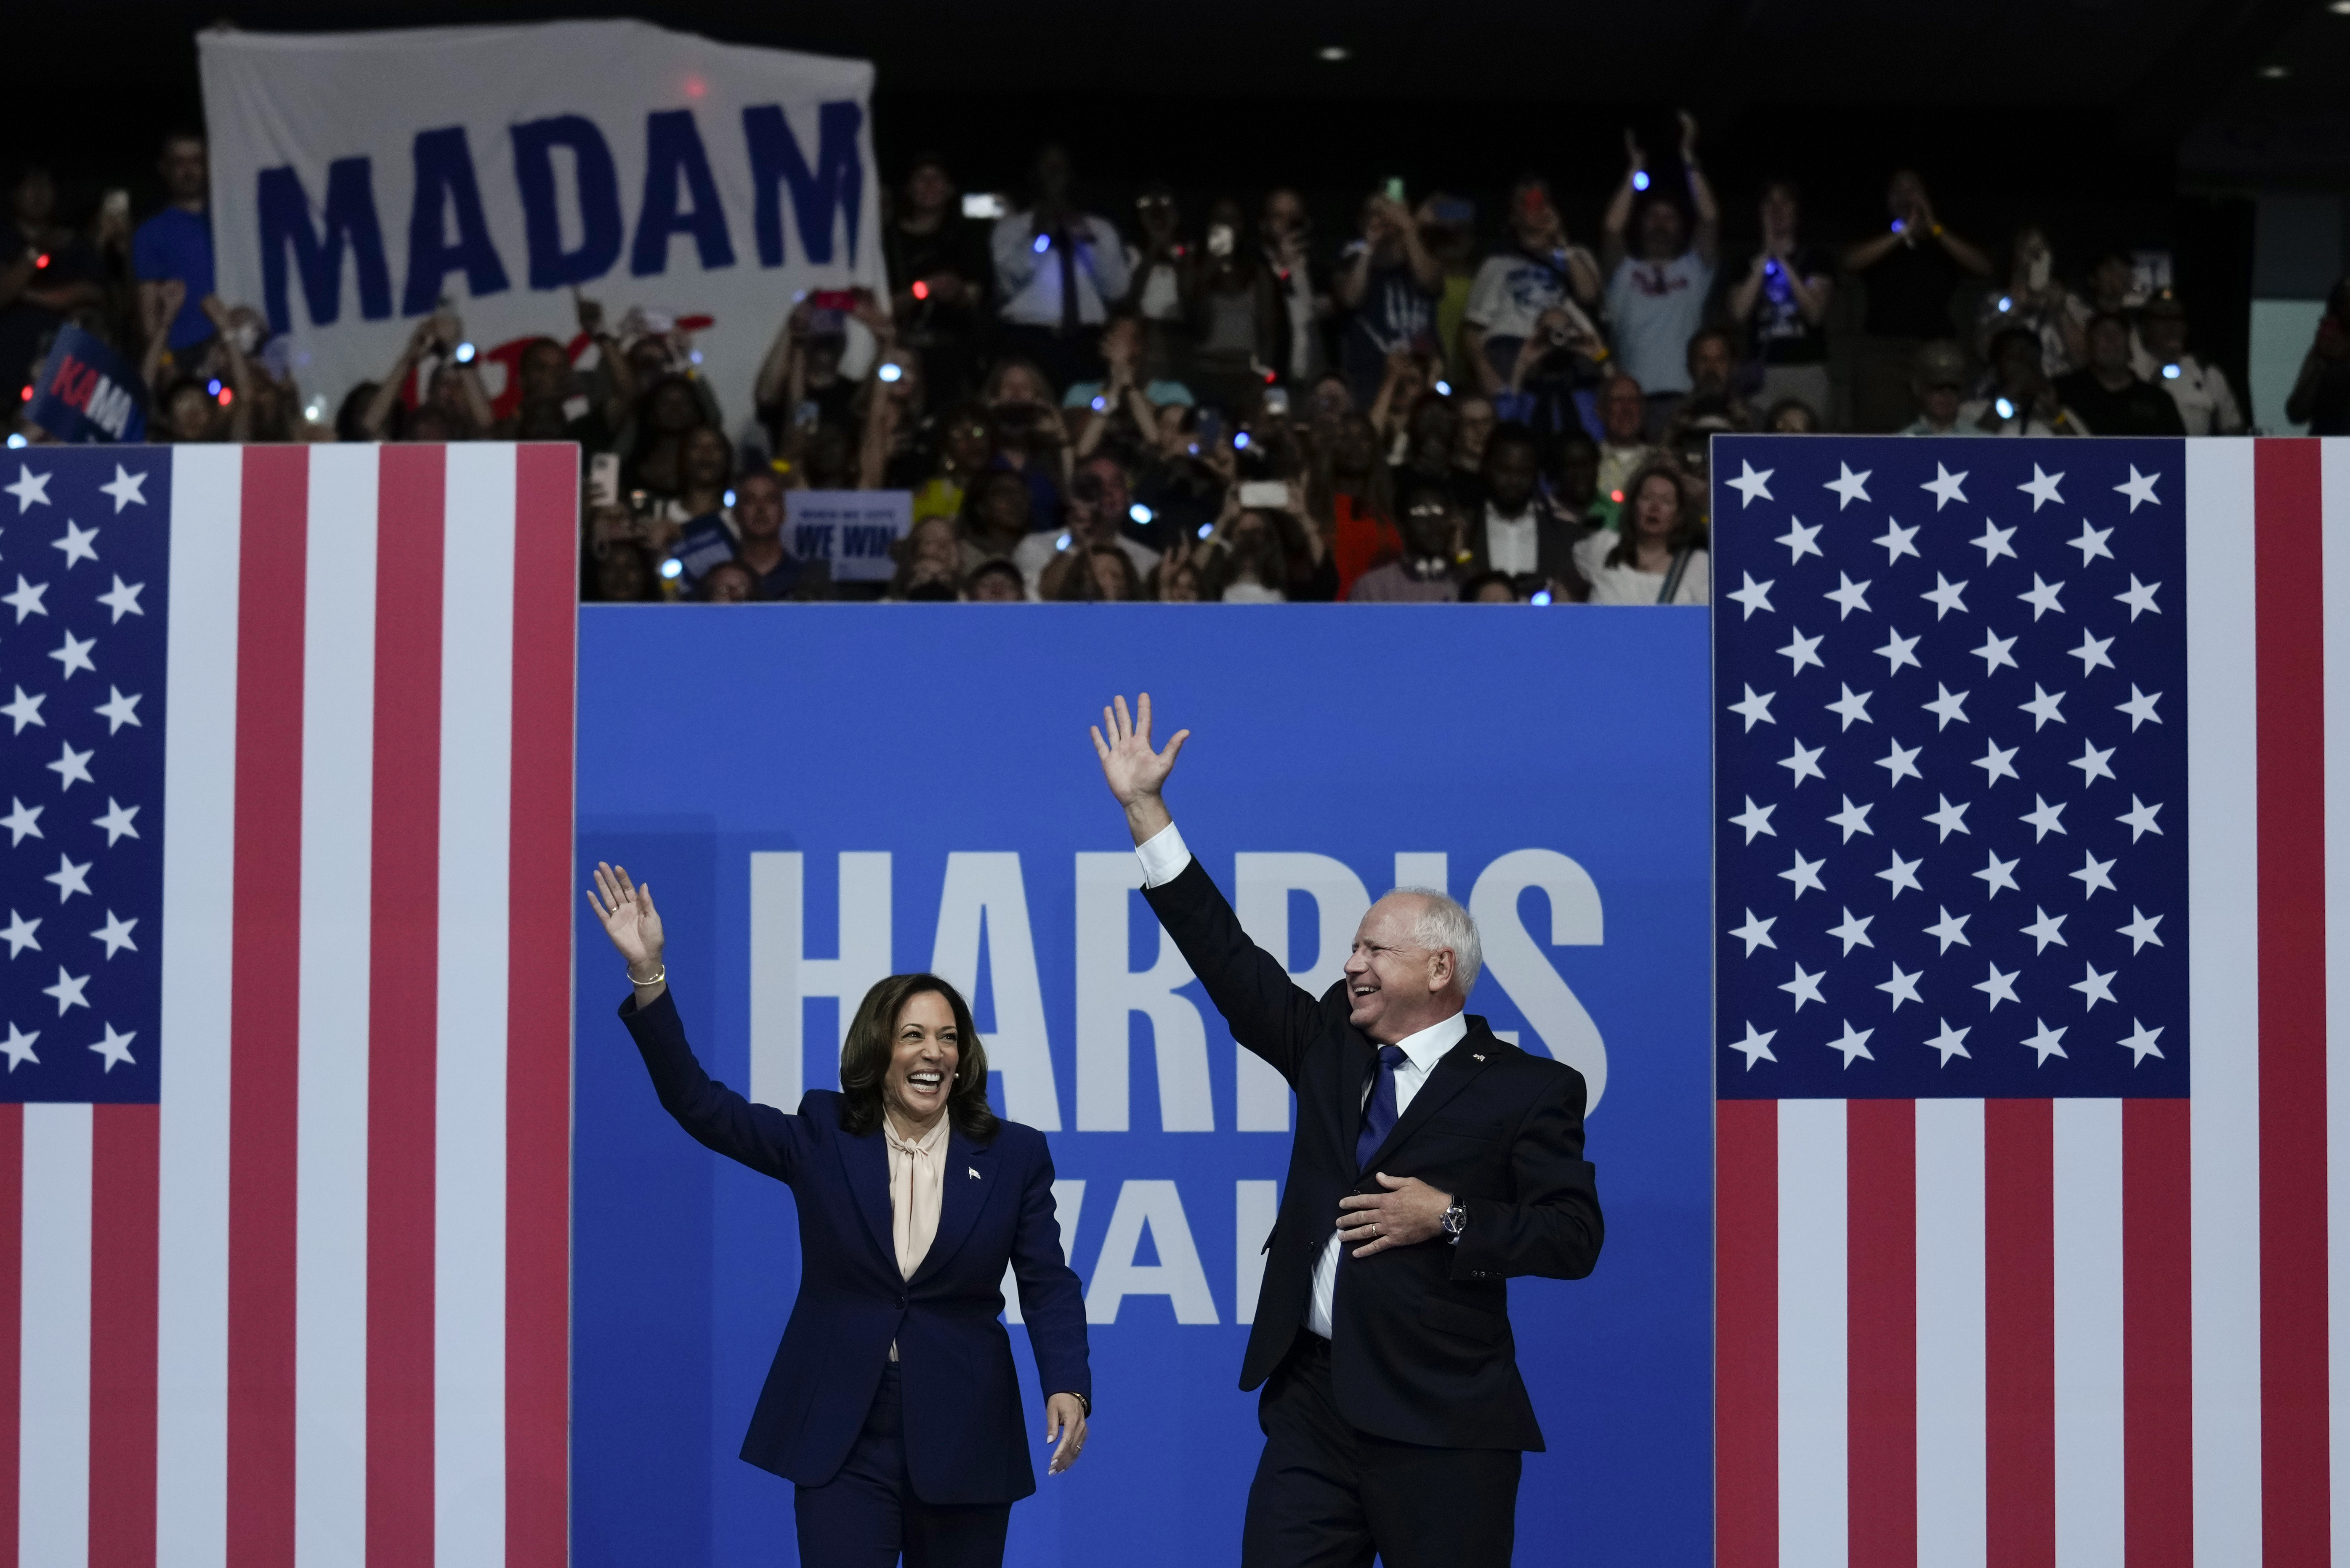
{"x": 2093, "y": 116}
{"x": 2153, "y": 68}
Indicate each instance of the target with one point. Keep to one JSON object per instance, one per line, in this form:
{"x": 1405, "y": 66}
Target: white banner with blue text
{"x": 360, "y": 179}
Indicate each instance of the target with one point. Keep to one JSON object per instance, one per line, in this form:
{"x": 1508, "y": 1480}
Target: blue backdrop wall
{"x": 820, "y": 794}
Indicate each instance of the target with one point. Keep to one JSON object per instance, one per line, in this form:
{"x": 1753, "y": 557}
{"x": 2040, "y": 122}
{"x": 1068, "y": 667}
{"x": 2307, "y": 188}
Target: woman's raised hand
{"x": 629, "y": 916}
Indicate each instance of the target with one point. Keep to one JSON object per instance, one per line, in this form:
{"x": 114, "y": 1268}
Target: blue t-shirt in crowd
{"x": 710, "y": 539}
{"x": 176, "y": 243}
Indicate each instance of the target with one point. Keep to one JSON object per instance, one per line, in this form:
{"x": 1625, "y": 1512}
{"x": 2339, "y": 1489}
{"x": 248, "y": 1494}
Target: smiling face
{"x": 923, "y": 1052}
{"x": 1395, "y": 987}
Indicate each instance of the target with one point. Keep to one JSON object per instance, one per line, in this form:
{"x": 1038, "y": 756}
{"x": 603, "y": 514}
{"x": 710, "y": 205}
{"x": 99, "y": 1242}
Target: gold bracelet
{"x": 659, "y": 974}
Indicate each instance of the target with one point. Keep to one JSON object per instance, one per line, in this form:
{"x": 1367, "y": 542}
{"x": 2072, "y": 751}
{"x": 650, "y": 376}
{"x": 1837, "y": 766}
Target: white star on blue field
{"x": 84, "y": 552}
{"x": 1951, "y": 767}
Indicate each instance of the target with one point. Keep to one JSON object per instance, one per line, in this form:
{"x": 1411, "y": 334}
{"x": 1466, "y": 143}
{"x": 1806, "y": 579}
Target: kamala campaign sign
{"x": 360, "y": 177}
{"x": 843, "y": 791}
{"x": 84, "y": 392}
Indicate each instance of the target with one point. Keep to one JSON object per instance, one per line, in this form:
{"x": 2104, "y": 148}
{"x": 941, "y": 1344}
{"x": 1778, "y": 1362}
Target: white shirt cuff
{"x": 1163, "y": 857}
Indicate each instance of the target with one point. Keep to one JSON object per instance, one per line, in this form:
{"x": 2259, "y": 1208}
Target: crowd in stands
{"x": 1220, "y": 406}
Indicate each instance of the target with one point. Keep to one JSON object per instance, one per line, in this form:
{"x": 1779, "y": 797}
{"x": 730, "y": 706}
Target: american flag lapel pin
{"x": 972, "y": 1171}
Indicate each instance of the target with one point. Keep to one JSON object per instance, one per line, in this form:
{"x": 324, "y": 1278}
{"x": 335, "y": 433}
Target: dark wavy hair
{"x": 865, "y": 1058}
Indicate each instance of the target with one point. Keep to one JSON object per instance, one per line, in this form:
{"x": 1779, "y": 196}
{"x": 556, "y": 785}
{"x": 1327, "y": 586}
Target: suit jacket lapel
{"x": 966, "y": 1181}
{"x": 1453, "y": 1073}
{"x": 867, "y": 1162}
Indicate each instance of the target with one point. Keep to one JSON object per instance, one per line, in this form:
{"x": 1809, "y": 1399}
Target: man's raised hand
{"x": 1135, "y": 772}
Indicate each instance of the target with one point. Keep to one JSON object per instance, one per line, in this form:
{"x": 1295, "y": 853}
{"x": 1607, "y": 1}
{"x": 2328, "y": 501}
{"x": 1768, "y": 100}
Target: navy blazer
{"x": 966, "y": 1441}
{"x": 1421, "y": 1348}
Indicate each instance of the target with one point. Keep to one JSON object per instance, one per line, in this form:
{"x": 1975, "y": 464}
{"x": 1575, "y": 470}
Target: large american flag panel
{"x": 285, "y": 1106}
{"x": 2024, "y": 1208}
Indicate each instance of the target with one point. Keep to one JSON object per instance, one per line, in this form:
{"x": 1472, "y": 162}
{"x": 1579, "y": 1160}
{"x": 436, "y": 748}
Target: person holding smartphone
{"x": 1391, "y": 283}
{"x": 1286, "y": 242}
{"x": 1540, "y": 272}
{"x": 1059, "y": 268}
{"x": 1235, "y": 313}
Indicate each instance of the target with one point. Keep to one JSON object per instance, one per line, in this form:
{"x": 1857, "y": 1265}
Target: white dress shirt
{"x": 1164, "y": 855}
{"x": 1512, "y": 544}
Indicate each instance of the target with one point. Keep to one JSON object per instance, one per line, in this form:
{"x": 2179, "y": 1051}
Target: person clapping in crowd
{"x": 1782, "y": 299}
{"x": 1911, "y": 271}
{"x": 1659, "y": 267}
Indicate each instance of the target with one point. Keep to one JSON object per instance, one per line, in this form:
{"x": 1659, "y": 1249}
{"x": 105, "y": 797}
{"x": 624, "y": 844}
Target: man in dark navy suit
{"x": 1432, "y": 1162}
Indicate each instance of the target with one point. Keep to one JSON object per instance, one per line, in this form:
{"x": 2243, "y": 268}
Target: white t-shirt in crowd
{"x": 1630, "y": 585}
{"x": 1512, "y": 289}
{"x": 1658, "y": 307}
{"x": 1161, "y": 299}
{"x": 1248, "y": 593}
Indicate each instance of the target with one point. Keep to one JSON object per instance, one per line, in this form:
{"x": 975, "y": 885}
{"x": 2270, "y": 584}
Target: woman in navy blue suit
{"x": 892, "y": 1405}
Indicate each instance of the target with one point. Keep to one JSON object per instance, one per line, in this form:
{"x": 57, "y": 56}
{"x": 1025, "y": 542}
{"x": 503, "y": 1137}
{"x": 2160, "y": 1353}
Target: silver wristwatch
{"x": 1455, "y": 1222}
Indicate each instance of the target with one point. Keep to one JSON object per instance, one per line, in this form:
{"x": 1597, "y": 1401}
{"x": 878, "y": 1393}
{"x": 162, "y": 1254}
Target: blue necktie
{"x": 1379, "y": 1115}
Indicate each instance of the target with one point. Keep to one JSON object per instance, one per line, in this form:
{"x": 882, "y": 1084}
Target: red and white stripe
{"x": 314, "y": 1307}
{"x": 2021, "y": 1333}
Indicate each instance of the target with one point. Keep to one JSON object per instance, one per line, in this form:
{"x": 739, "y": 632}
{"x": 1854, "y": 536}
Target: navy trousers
{"x": 867, "y": 1515}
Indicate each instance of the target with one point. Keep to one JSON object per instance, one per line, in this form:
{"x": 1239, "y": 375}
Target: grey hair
{"x": 1444, "y": 923}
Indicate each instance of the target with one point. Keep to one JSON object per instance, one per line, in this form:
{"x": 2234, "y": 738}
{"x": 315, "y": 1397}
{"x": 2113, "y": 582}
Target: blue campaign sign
{"x": 819, "y": 795}
{"x": 85, "y": 393}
